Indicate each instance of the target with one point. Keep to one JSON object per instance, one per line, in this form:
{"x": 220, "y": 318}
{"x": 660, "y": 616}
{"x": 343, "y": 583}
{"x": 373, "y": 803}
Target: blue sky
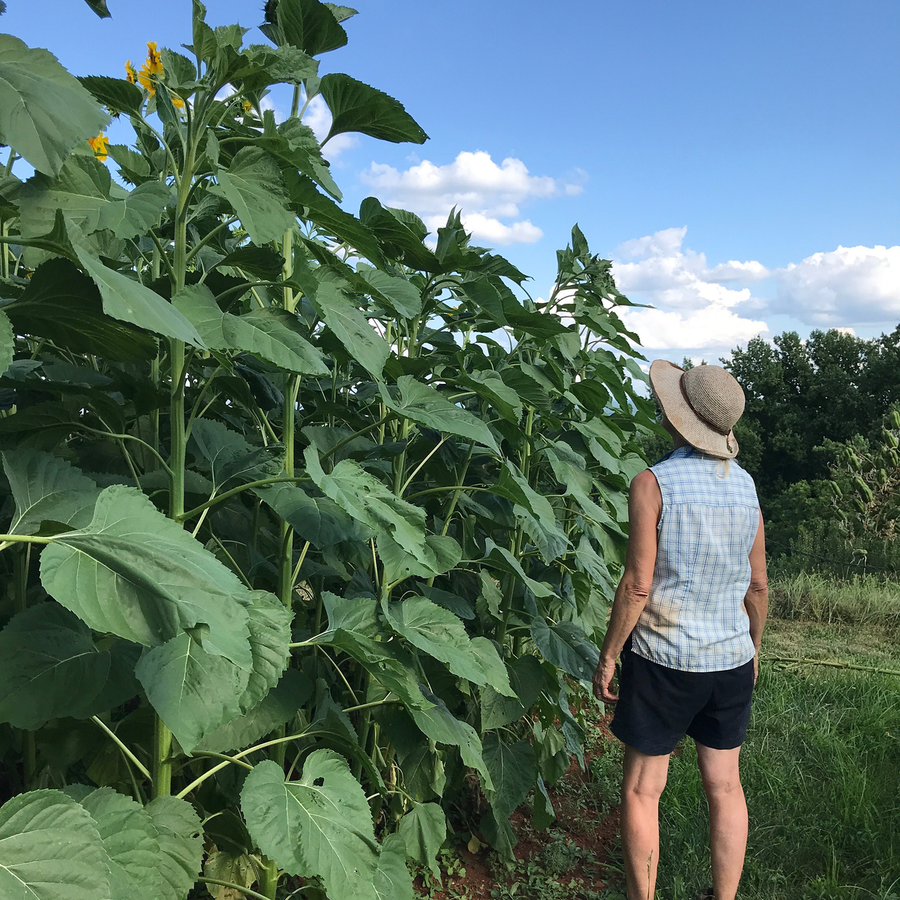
{"x": 738, "y": 162}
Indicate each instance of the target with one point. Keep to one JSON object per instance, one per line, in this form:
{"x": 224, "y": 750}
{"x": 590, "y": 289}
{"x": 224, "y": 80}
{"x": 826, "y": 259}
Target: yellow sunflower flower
{"x": 151, "y": 72}
{"x": 145, "y": 77}
{"x": 154, "y": 60}
{"x": 98, "y": 145}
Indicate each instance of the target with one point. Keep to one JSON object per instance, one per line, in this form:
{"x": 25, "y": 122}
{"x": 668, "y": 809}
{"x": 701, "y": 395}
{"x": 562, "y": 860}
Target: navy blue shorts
{"x": 658, "y": 706}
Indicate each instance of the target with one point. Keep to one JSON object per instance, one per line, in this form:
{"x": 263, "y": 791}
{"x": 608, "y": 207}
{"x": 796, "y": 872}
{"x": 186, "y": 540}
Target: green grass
{"x": 859, "y": 600}
{"x": 820, "y": 767}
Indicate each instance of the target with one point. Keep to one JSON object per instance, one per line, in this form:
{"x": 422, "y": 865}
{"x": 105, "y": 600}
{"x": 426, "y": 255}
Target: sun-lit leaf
{"x": 197, "y": 304}
{"x": 179, "y": 848}
{"x": 276, "y": 336}
{"x": 441, "y": 554}
{"x": 85, "y": 193}
{"x": 351, "y": 327}
{"x": 440, "y": 634}
{"x": 262, "y": 66}
{"x": 136, "y": 573}
{"x": 253, "y": 185}
{"x": 44, "y": 111}
{"x": 357, "y": 107}
{"x": 401, "y": 295}
{"x": 369, "y": 501}
{"x": 319, "y": 825}
{"x": 393, "y": 880}
{"x": 501, "y": 558}
{"x": 193, "y": 691}
{"x": 239, "y": 869}
{"x": 132, "y": 302}
{"x": 439, "y": 724}
{"x": 296, "y": 144}
{"x": 50, "y": 849}
{"x": 129, "y": 838}
{"x": 270, "y": 637}
{"x": 424, "y": 405}
{"x": 496, "y": 391}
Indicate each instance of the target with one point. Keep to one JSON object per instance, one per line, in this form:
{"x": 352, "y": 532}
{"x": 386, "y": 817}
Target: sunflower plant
{"x": 308, "y": 515}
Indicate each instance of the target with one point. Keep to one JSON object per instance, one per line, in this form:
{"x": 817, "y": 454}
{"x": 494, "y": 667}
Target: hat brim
{"x": 665, "y": 379}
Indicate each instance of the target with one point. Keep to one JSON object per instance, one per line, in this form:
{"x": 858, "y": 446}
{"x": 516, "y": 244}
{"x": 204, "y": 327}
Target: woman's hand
{"x": 602, "y": 680}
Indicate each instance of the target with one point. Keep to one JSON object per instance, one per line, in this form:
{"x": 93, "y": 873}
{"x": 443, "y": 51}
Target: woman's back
{"x": 694, "y": 619}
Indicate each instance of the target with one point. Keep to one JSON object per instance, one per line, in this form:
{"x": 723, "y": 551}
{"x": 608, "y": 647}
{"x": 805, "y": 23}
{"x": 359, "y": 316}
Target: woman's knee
{"x": 645, "y": 776}
{"x": 719, "y": 771}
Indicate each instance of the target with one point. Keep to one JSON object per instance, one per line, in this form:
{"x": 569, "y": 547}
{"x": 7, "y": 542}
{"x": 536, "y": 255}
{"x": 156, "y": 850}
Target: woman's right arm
{"x": 756, "y": 600}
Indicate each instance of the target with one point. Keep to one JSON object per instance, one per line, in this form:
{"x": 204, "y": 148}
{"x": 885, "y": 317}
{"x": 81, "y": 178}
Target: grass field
{"x": 821, "y": 764}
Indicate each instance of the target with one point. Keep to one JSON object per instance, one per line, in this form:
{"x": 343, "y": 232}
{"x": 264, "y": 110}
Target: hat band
{"x": 700, "y": 415}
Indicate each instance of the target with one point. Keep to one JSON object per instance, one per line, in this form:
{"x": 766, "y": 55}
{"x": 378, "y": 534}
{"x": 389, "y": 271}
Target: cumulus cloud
{"x": 693, "y": 307}
{"x": 485, "y": 193}
{"x": 860, "y": 284}
{"x": 318, "y": 117}
{"x": 698, "y": 306}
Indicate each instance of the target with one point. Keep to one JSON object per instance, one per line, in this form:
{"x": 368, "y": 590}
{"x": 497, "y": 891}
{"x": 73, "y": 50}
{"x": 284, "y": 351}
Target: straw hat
{"x": 702, "y": 404}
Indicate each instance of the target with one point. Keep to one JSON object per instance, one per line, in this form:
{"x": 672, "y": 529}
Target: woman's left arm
{"x": 644, "y": 510}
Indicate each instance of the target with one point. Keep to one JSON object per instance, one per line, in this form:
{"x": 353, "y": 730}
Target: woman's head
{"x": 701, "y": 404}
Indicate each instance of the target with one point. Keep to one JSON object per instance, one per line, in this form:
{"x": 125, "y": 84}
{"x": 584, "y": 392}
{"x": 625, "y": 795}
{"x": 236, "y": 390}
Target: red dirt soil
{"x": 577, "y": 822}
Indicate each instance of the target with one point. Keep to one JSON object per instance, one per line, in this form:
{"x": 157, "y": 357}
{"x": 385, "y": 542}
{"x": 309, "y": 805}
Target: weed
{"x": 606, "y": 777}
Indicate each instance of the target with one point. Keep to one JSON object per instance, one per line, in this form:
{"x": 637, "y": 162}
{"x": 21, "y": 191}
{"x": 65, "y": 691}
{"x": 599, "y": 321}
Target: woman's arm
{"x": 756, "y": 600}
{"x": 644, "y": 510}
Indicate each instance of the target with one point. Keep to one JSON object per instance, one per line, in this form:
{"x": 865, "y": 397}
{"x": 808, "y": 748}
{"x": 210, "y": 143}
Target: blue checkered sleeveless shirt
{"x": 694, "y": 619}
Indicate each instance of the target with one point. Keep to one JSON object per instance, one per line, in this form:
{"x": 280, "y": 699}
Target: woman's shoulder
{"x": 644, "y": 482}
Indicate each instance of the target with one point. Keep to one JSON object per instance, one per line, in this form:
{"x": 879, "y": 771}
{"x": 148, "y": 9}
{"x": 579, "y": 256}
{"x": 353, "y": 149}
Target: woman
{"x": 687, "y": 619}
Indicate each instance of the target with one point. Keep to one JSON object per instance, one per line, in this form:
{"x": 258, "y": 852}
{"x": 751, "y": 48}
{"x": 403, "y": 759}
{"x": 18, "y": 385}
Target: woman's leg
{"x": 727, "y": 817}
{"x": 642, "y": 784}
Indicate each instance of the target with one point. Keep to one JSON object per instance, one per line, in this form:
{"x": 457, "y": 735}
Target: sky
{"x": 738, "y": 162}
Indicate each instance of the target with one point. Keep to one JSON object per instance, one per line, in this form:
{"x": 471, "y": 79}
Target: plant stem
{"x": 237, "y": 756}
{"x": 837, "y": 664}
{"x": 118, "y": 742}
{"x": 24, "y": 539}
{"x": 236, "y": 887}
{"x": 227, "y": 495}
{"x": 162, "y": 763}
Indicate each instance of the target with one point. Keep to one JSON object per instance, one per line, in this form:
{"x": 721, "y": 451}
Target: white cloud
{"x": 318, "y": 117}
{"x": 738, "y": 271}
{"x": 484, "y": 192}
{"x": 698, "y": 306}
{"x": 861, "y": 284}
{"x": 692, "y": 307}
{"x": 715, "y": 328}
